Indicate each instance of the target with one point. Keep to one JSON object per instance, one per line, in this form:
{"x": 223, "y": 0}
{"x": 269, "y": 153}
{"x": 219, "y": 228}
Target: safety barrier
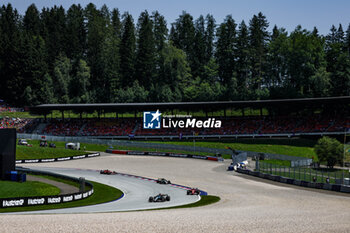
{"x": 46, "y": 200}
{"x": 302, "y": 183}
{"x": 164, "y": 154}
{"x": 48, "y": 160}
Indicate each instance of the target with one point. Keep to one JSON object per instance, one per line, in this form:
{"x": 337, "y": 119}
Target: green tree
{"x": 321, "y": 82}
{"x": 110, "y": 79}
{"x": 347, "y": 40}
{"x": 225, "y": 51}
{"x": 211, "y": 71}
{"x": 340, "y": 78}
{"x": 127, "y": 51}
{"x": 11, "y": 53}
{"x": 209, "y": 37}
{"x": 116, "y": 23}
{"x": 160, "y": 30}
{"x": 31, "y": 20}
{"x": 182, "y": 36}
{"x": 98, "y": 27}
{"x": 146, "y": 50}
{"x": 277, "y": 58}
{"x": 202, "y": 91}
{"x": 35, "y": 70}
{"x": 199, "y": 48}
{"x": 329, "y": 150}
{"x": 258, "y": 37}
{"x": 338, "y": 61}
{"x": 54, "y": 32}
{"x": 62, "y": 79}
{"x": 305, "y": 56}
{"x": 79, "y": 84}
{"x": 76, "y": 33}
{"x": 177, "y": 70}
{"x": 242, "y": 63}
{"x": 160, "y": 36}
{"x": 135, "y": 93}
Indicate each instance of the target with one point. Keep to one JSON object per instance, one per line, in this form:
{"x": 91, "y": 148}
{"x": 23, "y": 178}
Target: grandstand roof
{"x": 193, "y": 106}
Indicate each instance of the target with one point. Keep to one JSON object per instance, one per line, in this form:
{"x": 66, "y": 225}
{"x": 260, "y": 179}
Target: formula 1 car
{"x": 107, "y": 172}
{"x": 193, "y": 191}
{"x": 163, "y": 181}
{"x": 159, "y": 198}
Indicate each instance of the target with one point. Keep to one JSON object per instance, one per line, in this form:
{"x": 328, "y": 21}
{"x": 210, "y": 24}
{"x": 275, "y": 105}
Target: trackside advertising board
{"x": 57, "y": 159}
{"x": 43, "y": 200}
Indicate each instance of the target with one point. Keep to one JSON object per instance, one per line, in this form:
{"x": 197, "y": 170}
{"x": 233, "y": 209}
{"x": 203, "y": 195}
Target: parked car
{"x": 73, "y": 146}
{"x": 22, "y": 142}
{"x": 43, "y": 143}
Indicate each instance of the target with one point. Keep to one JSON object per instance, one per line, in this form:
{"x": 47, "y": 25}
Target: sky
{"x": 283, "y": 13}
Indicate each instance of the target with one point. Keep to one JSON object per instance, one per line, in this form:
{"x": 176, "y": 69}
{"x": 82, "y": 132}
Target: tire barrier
{"x": 163, "y": 154}
{"x": 49, "y": 160}
{"x": 46, "y": 200}
{"x": 302, "y": 183}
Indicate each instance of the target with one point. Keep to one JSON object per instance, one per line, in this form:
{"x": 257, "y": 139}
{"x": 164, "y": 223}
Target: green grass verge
{"x": 37, "y": 152}
{"x": 292, "y": 148}
{"x": 11, "y": 189}
{"x": 102, "y": 193}
{"x": 285, "y": 163}
{"x": 66, "y": 181}
{"x": 304, "y": 173}
{"x": 300, "y": 148}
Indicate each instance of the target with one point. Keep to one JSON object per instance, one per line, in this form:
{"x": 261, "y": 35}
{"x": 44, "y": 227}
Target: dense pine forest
{"x": 90, "y": 55}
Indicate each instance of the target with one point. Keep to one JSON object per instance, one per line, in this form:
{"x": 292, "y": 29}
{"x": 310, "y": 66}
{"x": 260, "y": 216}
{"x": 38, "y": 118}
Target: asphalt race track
{"x": 247, "y": 204}
{"x": 136, "y": 193}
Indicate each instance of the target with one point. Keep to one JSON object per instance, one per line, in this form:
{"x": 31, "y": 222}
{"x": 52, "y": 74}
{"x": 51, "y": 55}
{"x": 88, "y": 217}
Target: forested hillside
{"x": 85, "y": 55}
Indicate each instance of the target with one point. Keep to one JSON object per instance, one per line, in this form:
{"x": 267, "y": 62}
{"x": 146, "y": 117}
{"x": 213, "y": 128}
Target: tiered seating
{"x": 230, "y": 126}
{"x": 109, "y": 127}
{"x": 17, "y": 123}
{"x": 63, "y": 128}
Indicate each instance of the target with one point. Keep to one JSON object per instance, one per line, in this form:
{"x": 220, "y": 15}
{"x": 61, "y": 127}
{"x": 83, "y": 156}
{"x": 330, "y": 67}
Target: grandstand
{"x": 295, "y": 117}
{"x": 231, "y": 126}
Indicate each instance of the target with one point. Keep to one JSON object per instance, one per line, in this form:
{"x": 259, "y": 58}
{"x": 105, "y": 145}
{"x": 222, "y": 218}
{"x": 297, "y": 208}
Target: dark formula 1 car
{"x": 159, "y": 198}
{"x": 193, "y": 191}
{"x": 163, "y": 181}
{"x": 107, "y": 172}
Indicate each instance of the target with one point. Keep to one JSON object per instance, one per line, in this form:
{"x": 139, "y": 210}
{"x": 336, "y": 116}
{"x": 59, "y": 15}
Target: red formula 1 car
{"x": 193, "y": 191}
{"x": 107, "y": 172}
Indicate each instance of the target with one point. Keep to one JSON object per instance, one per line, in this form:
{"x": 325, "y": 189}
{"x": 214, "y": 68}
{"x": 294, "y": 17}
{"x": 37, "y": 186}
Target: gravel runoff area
{"x": 247, "y": 204}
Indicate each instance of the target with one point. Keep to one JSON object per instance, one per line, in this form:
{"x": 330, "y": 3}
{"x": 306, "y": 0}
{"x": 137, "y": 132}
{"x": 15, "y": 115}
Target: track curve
{"x": 247, "y": 205}
{"x": 136, "y": 193}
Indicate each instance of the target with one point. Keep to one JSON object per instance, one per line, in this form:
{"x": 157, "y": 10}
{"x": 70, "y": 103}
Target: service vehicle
{"x": 22, "y": 142}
